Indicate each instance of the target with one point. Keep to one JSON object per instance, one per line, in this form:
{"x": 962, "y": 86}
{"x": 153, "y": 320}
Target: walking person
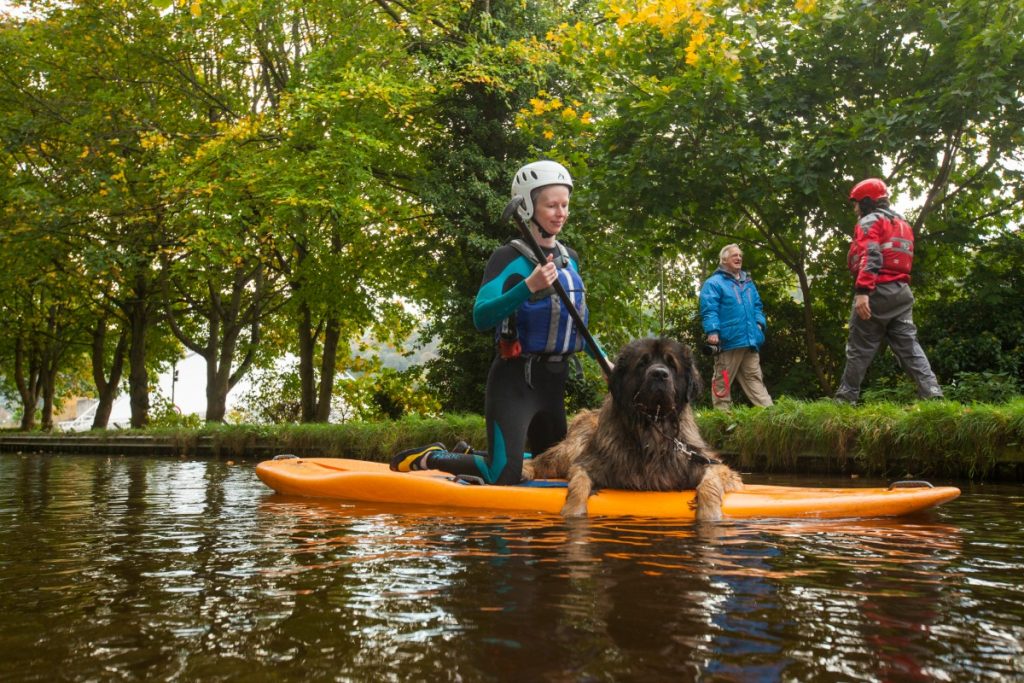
{"x": 881, "y": 257}
{"x": 734, "y": 322}
{"x": 534, "y": 334}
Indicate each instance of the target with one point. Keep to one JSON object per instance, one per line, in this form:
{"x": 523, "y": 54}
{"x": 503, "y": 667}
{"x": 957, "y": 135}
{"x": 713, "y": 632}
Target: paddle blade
{"x": 512, "y": 208}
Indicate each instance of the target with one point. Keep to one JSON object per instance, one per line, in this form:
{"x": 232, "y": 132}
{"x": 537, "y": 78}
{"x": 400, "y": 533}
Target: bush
{"x": 165, "y": 414}
{"x": 966, "y": 387}
{"x": 983, "y": 387}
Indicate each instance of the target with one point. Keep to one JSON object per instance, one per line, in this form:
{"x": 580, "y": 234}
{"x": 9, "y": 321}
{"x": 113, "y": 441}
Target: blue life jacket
{"x": 542, "y": 324}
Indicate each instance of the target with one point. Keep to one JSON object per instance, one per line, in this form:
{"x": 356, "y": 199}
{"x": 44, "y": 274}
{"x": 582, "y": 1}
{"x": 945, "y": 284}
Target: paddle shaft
{"x": 511, "y": 211}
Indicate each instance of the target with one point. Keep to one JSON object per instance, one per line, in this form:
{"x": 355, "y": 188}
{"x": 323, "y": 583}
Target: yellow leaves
{"x": 119, "y": 176}
{"x": 539, "y": 106}
{"x": 230, "y": 132}
{"x": 667, "y": 16}
{"x": 205, "y": 190}
{"x": 153, "y": 140}
{"x": 696, "y": 41}
{"x": 195, "y": 7}
{"x": 806, "y": 5}
{"x": 691, "y": 19}
{"x": 85, "y": 152}
{"x": 556, "y": 35}
{"x": 550, "y": 117}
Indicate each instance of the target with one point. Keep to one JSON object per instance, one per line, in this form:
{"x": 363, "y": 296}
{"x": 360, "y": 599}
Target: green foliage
{"x": 274, "y": 177}
{"x": 750, "y": 126}
{"x": 983, "y": 387}
{"x": 934, "y": 439}
{"x": 165, "y": 415}
{"x": 272, "y": 397}
{"x": 975, "y": 321}
{"x": 483, "y": 79}
{"x": 388, "y": 394}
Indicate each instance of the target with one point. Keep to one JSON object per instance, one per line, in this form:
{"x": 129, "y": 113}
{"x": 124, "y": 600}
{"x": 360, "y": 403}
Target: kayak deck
{"x": 358, "y": 480}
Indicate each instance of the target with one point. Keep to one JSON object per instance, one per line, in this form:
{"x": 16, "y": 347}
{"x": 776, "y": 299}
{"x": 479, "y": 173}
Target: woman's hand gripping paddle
{"x": 512, "y": 212}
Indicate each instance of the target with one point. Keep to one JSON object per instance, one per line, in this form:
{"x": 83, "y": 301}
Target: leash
{"x": 688, "y": 450}
{"x": 725, "y": 381}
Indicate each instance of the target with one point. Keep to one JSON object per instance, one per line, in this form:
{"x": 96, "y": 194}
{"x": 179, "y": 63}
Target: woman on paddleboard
{"x": 535, "y": 338}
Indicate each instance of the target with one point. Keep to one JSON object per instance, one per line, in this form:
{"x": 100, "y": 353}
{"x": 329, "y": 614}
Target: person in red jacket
{"x": 881, "y": 257}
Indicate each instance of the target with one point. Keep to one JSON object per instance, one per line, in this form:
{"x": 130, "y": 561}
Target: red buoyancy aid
{"x": 882, "y": 250}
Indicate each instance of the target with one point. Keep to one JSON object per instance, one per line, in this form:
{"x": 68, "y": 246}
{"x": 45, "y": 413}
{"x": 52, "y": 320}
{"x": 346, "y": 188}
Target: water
{"x": 153, "y": 569}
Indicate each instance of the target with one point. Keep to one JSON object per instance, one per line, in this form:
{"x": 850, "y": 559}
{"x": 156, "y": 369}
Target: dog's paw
{"x": 528, "y": 471}
{"x": 709, "y": 515}
{"x": 574, "y": 512}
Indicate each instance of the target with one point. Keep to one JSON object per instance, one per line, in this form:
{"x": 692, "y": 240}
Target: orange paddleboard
{"x": 372, "y": 482}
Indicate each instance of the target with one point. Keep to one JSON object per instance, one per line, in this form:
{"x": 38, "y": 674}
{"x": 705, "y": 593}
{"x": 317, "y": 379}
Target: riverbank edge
{"x": 938, "y": 441}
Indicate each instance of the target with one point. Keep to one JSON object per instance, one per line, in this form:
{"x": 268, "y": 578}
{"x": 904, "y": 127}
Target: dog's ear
{"x": 616, "y": 383}
{"x": 694, "y": 384}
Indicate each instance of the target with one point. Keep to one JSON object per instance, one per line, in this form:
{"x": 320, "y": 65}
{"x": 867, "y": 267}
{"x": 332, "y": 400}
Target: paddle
{"x": 512, "y": 211}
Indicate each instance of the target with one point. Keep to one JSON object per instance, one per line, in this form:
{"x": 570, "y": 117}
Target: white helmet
{"x": 535, "y": 175}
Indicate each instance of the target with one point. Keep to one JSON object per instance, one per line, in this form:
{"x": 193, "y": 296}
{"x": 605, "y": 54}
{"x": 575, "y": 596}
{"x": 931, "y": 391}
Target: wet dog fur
{"x": 633, "y": 441}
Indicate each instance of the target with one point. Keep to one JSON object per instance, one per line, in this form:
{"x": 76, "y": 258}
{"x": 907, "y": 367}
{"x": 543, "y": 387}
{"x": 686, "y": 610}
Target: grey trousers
{"x": 891, "y": 321}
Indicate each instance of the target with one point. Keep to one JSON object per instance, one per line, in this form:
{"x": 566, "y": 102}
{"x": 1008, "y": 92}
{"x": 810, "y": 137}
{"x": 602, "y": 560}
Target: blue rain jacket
{"x": 732, "y": 307}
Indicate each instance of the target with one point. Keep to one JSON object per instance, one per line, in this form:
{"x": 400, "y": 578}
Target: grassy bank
{"x": 927, "y": 439}
{"x": 941, "y": 439}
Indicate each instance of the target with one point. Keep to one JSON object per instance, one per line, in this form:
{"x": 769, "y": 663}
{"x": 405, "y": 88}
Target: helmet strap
{"x": 543, "y": 233}
{"x": 867, "y": 205}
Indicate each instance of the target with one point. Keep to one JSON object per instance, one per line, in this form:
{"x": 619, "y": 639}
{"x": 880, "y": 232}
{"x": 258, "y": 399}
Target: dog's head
{"x": 655, "y": 378}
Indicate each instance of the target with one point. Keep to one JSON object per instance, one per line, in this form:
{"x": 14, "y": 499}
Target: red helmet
{"x": 872, "y": 188}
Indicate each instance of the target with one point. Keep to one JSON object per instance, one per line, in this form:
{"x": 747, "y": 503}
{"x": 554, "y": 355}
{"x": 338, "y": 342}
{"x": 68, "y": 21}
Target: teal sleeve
{"x": 492, "y": 305}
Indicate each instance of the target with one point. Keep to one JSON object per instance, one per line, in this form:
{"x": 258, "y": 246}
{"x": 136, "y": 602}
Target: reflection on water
{"x": 136, "y": 569}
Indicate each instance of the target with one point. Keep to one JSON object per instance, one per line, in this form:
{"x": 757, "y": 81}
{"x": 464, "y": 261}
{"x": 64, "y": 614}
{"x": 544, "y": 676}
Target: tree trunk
{"x": 48, "y": 383}
{"x": 138, "y": 378}
{"x": 307, "y": 380}
{"x": 810, "y": 336}
{"x": 331, "y": 338}
{"x": 27, "y": 382}
{"x": 106, "y": 389}
{"x": 217, "y": 375}
{"x": 216, "y": 402}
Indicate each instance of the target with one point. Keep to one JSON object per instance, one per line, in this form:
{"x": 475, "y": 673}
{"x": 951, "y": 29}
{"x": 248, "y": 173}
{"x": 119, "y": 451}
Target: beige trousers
{"x": 742, "y": 366}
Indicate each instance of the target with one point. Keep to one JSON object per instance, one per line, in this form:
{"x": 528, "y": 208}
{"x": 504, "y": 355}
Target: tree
{"x": 85, "y": 95}
{"x": 751, "y": 127}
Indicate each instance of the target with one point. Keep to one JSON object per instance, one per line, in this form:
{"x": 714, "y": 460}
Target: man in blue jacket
{"x": 734, "y": 323}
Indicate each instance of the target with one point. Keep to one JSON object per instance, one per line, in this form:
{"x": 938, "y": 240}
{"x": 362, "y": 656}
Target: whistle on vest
{"x": 509, "y": 348}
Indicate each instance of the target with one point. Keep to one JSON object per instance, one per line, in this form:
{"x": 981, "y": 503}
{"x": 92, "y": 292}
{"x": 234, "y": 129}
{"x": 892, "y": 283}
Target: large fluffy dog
{"x": 643, "y": 438}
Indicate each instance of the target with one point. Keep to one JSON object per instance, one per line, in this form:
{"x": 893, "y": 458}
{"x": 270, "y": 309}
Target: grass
{"x": 360, "y": 440}
{"x": 933, "y": 438}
